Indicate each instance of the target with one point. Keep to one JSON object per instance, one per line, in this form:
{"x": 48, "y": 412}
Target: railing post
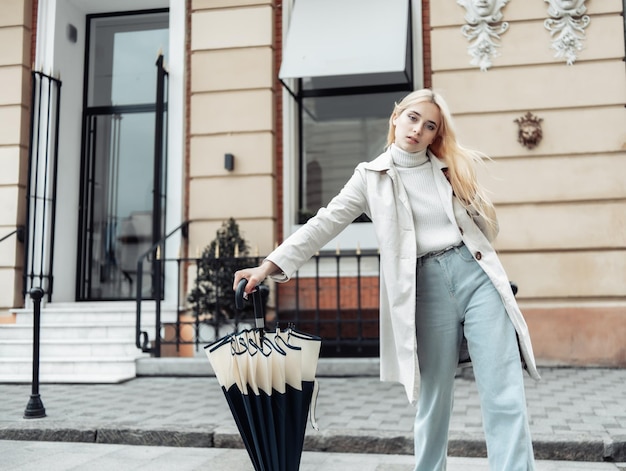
{"x": 35, "y": 408}
{"x": 139, "y": 281}
{"x": 142, "y": 339}
{"x": 158, "y": 288}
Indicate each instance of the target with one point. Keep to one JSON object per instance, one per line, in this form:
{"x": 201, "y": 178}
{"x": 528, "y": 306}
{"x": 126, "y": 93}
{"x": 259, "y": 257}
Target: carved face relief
{"x": 566, "y": 5}
{"x": 530, "y": 132}
{"x": 484, "y": 7}
{"x": 482, "y": 10}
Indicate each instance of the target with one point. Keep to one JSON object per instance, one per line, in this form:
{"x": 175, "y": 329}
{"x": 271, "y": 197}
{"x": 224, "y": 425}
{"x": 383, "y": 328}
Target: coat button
{"x": 479, "y": 255}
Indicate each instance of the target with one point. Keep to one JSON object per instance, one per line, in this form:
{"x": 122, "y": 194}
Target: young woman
{"x": 440, "y": 281}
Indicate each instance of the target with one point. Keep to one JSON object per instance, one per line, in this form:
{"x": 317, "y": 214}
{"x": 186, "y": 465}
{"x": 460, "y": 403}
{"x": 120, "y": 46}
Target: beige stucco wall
{"x": 232, "y": 111}
{"x": 562, "y": 205}
{"x": 15, "y": 45}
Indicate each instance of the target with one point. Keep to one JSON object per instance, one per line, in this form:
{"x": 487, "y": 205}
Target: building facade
{"x": 260, "y": 113}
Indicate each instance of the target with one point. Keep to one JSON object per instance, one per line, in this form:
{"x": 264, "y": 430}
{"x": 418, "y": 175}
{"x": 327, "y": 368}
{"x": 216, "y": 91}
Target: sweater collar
{"x": 404, "y": 159}
{"x": 384, "y": 162}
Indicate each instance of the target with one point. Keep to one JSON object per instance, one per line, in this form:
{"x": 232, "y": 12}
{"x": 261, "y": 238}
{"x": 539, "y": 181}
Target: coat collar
{"x": 382, "y": 163}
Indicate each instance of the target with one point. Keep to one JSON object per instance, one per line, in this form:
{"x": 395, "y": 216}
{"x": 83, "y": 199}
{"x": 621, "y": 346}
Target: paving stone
{"x": 575, "y": 413}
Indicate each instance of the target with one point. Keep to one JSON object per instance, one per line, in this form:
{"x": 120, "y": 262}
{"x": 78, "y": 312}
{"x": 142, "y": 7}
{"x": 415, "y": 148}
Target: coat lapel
{"x": 383, "y": 164}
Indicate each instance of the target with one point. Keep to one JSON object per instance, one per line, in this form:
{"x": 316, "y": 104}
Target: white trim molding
{"x": 483, "y": 29}
{"x": 567, "y": 27}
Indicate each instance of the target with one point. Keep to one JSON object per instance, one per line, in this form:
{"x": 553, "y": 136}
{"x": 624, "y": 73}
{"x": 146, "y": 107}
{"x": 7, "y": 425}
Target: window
{"x": 338, "y": 132}
{"x": 344, "y": 65}
{"x": 122, "y": 179}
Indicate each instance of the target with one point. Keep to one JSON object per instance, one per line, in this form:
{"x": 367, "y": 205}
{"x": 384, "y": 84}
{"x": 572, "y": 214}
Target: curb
{"x": 581, "y": 448}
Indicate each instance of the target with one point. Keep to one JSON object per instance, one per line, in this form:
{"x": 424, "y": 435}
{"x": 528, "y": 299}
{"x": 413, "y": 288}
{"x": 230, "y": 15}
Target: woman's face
{"x": 417, "y": 126}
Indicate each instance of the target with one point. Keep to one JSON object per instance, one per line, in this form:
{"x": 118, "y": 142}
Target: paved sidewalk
{"x": 35, "y": 456}
{"x": 576, "y": 415}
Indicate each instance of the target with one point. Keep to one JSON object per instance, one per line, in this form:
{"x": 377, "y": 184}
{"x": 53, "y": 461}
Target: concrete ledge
{"x": 200, "y": 366}
{"x": 157, "y": 437}
{"x": 360, "y": 441}
{"x": 345, "y": 367}
{"x": 227, "y": 437}
{"x": 174, "y": 367}
{"x": 467, "y": 445}
{"x": 581, "y": 448}
{"x": 49, "y": 434}
{"x": 616, "y": 450}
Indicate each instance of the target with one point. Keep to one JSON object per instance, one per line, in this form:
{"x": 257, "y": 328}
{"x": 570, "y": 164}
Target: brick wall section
{"x": 426, "y": 43}
{"x": 33, "y": 35}
{"x": 308, "y": 292}
{"x": 278, "y": 128}
{"x": 186, "y": 251}
{"x": 320, "y": 312}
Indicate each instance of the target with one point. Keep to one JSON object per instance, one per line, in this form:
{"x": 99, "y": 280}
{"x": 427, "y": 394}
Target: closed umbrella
{"x": 268, "y": 379}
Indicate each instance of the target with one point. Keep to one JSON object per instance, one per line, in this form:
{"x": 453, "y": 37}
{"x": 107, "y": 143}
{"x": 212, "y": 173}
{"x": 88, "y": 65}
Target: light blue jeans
{"x": 455, "y": 298}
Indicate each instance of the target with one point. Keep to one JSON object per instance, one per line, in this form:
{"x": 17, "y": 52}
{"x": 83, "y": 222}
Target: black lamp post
{"x": 35, "y": 408}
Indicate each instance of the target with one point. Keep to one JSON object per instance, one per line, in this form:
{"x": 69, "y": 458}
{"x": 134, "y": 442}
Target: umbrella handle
{"x": 240, "y": 294}
{"x": 257, "y": 301}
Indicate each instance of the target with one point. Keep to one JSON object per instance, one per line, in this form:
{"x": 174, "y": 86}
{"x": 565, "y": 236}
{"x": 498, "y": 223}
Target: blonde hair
{"x": 461, "y": 162}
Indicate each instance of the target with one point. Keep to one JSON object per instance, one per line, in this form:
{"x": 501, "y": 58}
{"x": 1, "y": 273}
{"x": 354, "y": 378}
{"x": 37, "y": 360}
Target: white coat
{"x": 376, "y": 190}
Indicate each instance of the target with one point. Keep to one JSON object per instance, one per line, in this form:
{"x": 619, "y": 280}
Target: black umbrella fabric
{"x": 268, "y": 379}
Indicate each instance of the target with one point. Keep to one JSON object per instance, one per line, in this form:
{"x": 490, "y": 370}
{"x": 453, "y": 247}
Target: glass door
{"x": 122, "y": 177}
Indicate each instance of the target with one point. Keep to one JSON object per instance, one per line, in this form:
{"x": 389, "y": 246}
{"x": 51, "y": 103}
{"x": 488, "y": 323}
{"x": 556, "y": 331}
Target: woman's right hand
{"x": 255, "y": 275}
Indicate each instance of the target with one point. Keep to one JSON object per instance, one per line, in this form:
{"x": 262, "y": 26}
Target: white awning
{"x": 348, "y": 43}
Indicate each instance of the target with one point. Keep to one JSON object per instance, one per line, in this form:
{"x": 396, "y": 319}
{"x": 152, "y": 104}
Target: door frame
{"x": 58, "y": 57}
{"x": 85, "y": 246}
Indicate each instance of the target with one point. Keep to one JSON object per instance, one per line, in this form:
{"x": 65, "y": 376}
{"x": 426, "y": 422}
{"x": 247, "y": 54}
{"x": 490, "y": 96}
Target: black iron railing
{"x": 195, "y": 326}
{"x": 335, "y": 295}
{"x": 156, "y": 255}
{"x": 19, "y": 233}
{"x": 41, "y": 184}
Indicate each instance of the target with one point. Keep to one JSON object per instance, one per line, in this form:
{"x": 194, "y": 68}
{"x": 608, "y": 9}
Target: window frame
{"x": 355, "y": 236}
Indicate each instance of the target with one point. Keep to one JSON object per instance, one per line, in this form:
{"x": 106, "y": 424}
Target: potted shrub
{"x": 212, "y": 297}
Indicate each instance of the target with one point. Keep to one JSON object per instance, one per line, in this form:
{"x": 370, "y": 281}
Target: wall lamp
{"x": 229, "y": 162}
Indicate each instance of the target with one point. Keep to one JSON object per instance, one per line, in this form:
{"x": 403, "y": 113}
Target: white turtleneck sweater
{"x": 433, "y": 229}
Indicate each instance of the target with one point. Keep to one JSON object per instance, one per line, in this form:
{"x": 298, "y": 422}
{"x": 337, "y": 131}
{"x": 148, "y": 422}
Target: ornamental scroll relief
{"x": 484, "y": 25}
{"x": 483, "y": 29}
{"x": 567, "y": 27}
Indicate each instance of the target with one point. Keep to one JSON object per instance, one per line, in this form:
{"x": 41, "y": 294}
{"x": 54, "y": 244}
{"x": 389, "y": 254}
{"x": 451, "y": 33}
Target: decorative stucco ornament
{"x": 529, "y": 133}
{"x": 483, "y": 29}
{"x": 567, "y": 27}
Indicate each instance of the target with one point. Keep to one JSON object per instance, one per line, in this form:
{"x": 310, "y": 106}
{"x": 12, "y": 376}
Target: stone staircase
{"x": 79, "y": 343}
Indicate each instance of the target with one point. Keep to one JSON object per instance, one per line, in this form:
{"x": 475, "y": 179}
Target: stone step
{"x": 102, "y": 378}
{"x": 79, "y": 342}
{"x": 69, "y": 347}
{"x": 113, "y": 330}
{"x": 52, "y": 317}
{"x": 69, "y": 369}
{"x": 54, "y": 313}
